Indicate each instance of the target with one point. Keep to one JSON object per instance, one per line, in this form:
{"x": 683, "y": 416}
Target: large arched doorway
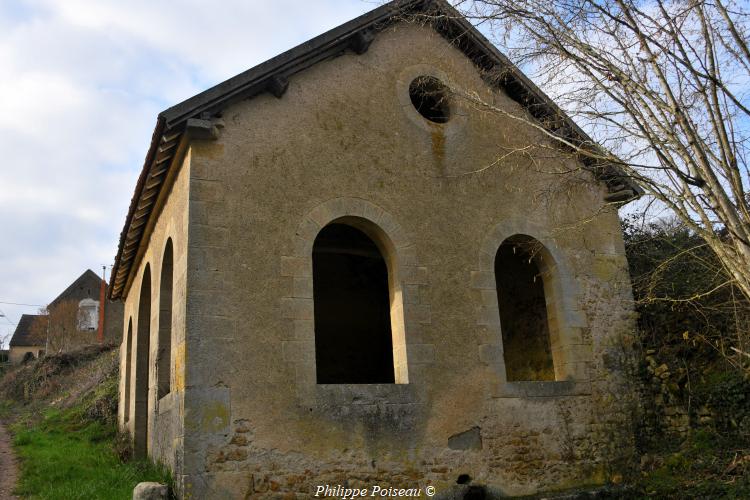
{"x": 128, "y": 363}
{"x": 142, "y": 363}
{"x": 353, "y": 340}
{"x": 164, "y": 360}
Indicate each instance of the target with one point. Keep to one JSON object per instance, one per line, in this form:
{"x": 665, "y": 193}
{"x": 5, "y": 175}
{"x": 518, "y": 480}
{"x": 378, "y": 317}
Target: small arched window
{"x": 524, "y": 309}
{"x": 353, "y": 341}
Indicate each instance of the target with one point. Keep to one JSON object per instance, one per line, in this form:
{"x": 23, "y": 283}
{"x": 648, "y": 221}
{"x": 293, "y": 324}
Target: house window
{"x": 353, "y": 343}
{"x": 523, "y": 310}
{"x": 88, "y": 314}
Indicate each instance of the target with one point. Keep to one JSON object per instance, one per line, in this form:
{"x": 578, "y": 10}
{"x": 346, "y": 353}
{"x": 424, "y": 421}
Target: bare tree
{"x": 661, "y": 87}
{"x": 59, "y": 325}
{"x": 4, "y": 344}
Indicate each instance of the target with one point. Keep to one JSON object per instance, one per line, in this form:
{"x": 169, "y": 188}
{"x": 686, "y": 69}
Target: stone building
{"x": 26, "y": 344}
{"x": 74, "y": 318}
{"x": 338, "y": 269}
{"x": 85, "y": 294}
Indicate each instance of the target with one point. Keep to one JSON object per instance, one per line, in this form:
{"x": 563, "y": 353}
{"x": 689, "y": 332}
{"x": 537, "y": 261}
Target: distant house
{"x": 4, "y": 355}
{"x": 26, "y": 343}
{"x": 74, "y": 318}
{"x": 85, "y": 292}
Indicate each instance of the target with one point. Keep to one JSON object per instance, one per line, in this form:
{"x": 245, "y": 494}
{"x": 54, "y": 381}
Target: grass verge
{"x": 62, "y": 412}
{"x": 66, "y": 457}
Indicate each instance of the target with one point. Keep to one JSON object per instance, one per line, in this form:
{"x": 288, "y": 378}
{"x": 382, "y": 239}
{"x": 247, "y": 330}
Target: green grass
{"x": 68, "y": 457}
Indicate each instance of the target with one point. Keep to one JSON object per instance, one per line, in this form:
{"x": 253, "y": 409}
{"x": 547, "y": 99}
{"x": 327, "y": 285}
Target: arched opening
{"x": 353, "y": 327}
{"x": 164, "y": 361}
{"x": 143, "y": 341}
{"x": 524, "y": 317}
{"x": 128, "y": 362}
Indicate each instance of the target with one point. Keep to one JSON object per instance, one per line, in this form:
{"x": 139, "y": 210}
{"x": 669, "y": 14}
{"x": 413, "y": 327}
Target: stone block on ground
{"x": 150, "y": 491}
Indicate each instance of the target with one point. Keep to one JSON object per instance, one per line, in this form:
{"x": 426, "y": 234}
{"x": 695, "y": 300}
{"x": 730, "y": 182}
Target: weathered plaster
{"x": 342, "y": 142}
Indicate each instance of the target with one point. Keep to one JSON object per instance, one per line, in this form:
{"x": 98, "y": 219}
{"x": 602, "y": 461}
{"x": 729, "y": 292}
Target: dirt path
{"x": 8, "y": 469}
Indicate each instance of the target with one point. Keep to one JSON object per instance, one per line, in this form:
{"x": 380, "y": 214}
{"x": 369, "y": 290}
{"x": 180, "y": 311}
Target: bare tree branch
{"x": 661, "y": 86}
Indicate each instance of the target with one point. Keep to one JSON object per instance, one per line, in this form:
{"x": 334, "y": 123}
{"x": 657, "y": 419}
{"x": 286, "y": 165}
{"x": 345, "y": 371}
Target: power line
{"x": 2, "y": 313}
{"x": 18, "y": 304}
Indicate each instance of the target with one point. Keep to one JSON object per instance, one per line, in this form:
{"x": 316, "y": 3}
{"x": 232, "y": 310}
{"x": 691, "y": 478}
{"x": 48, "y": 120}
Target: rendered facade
{"x": 338, "y": 268}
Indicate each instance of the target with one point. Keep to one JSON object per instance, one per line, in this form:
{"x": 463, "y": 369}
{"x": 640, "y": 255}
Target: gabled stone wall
{"x": 345, "y": 143}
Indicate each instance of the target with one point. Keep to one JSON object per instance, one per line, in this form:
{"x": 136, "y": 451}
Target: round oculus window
{"x": 430, "y": 98}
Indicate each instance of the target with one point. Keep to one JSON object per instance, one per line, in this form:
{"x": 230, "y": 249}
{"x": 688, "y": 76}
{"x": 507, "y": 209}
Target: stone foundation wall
{"x": 681, "y": 396}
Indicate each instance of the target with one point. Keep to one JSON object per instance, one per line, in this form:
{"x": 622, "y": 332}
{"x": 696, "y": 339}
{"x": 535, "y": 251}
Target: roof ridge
{"x": 22, "y": 335}
{"x": 271, "y": 76}
{"x": 87, "y": 274}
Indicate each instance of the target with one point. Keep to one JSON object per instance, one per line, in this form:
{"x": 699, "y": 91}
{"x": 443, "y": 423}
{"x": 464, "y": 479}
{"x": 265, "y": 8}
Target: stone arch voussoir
{"x": 569, "y": 364}
{"x": 297, "y": 306}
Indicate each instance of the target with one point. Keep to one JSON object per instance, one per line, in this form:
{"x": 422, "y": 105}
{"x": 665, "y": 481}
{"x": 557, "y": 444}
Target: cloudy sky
{"x": 81, "y": 83}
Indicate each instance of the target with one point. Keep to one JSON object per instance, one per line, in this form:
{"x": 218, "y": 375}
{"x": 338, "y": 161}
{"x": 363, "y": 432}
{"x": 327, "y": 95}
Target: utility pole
{"x": 102, "y": 300}
{"x": 46, "y": 342}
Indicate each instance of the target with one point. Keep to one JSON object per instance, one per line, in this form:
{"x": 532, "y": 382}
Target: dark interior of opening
{"x": 142, "y": 353}
{"x": 353, "y": 342}
{"x": 164, "y": 363}
{"x": 128, "y": 359}
{"x": 430, "y": 97}
{"x": 523, "y": 313}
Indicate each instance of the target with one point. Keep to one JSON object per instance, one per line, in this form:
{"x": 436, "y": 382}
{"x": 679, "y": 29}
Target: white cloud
{"x": 81, "y": 86}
